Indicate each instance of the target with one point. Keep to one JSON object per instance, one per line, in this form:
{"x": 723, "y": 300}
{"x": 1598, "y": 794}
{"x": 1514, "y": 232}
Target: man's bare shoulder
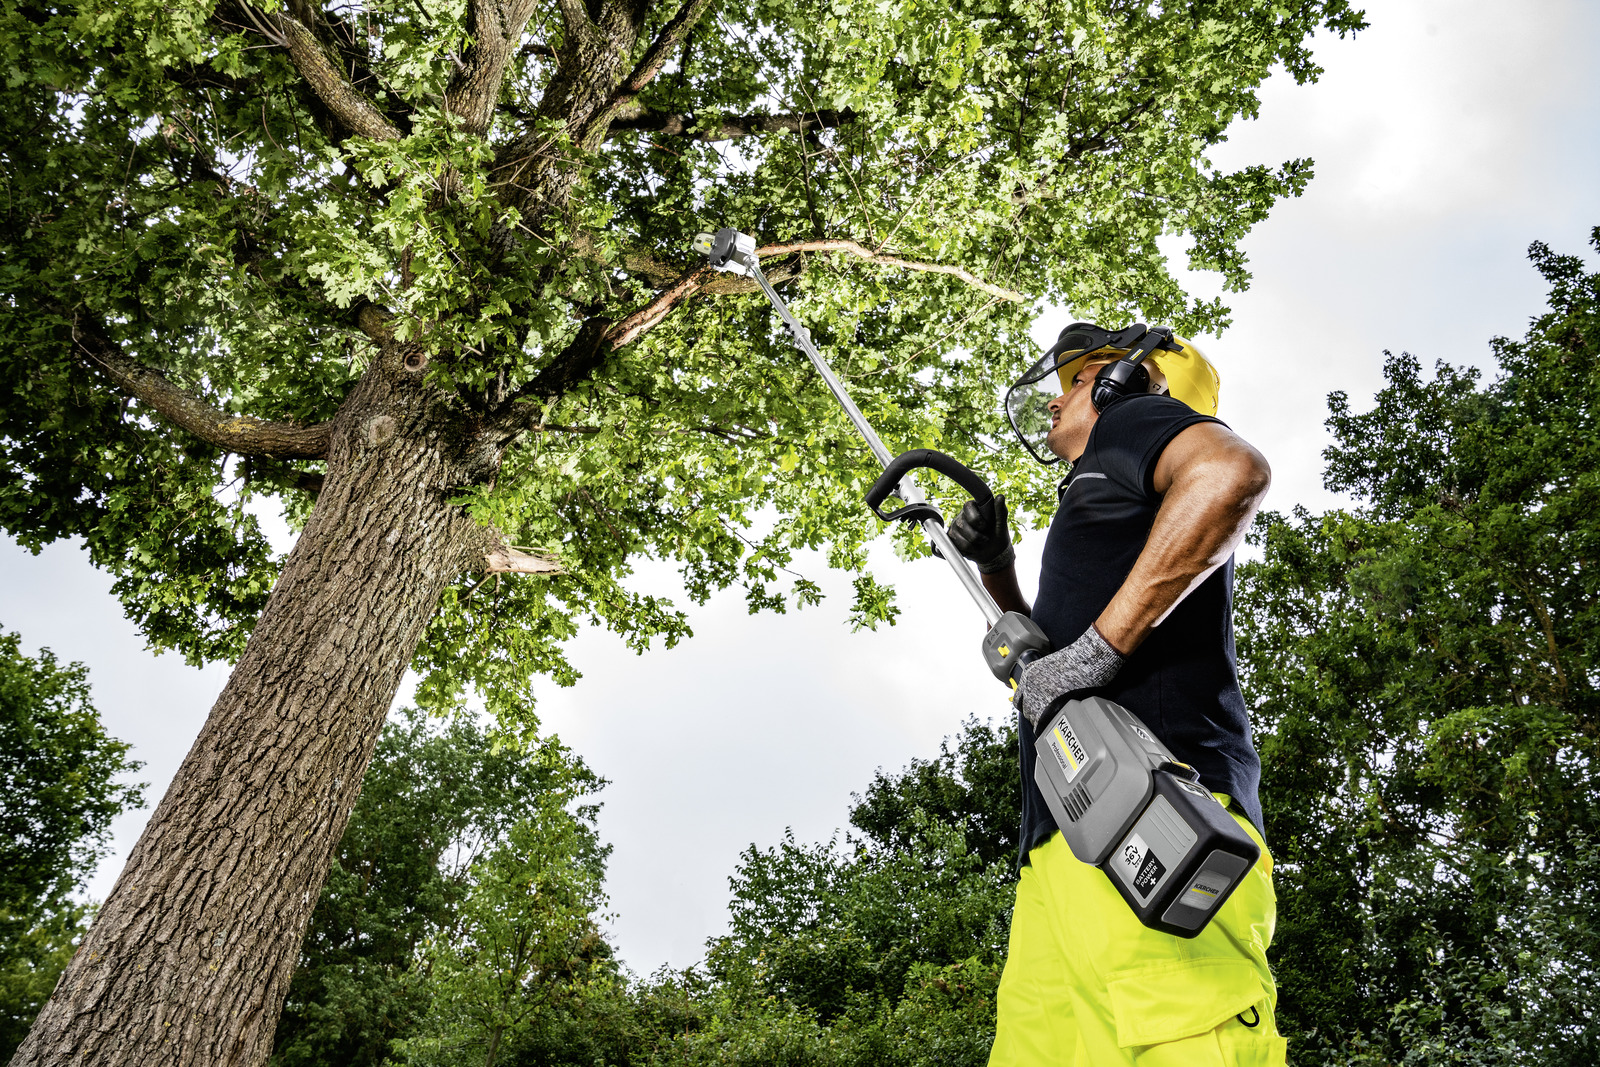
{"x": 1212, "y": 449}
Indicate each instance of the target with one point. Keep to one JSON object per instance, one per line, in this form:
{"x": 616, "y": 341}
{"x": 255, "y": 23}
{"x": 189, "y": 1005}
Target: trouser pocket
{"x": 1178, "y": 1000}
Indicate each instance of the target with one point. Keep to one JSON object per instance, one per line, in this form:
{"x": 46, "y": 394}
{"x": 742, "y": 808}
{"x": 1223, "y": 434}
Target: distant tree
{"x": 437, "y": 800}
{"x": 612, "y": 1018}
{"x": 31, "y": 959}
{"x": 1425, "y": 672}
{"x": 972, "y": 786}
{"x": 523, "y": 940}
{"x": 420, "y": 269}
{"x": 62, "y": 781}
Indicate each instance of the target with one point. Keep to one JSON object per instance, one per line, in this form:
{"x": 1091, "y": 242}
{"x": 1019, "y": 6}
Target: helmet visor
{"x": 1028, "y": 403}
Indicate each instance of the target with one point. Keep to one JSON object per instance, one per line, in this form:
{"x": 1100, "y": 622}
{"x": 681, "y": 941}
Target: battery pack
{"x": 1126, "y": 806}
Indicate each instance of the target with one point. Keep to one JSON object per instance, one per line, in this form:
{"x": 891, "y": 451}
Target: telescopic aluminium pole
{"x": 731, "y": 251}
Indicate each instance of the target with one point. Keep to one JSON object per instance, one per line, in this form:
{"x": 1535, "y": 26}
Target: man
{"x": 1135, "y": 593}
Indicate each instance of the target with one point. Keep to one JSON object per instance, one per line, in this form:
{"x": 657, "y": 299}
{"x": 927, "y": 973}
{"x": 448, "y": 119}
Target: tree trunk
{"x": 190, "y": 957}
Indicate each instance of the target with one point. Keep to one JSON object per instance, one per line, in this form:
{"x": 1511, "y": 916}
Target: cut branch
{"x": 730, "y": 127}
{"x": 556, "y": 427}
{"x": 240, "y": 434}
{"x": 510, "y": 560}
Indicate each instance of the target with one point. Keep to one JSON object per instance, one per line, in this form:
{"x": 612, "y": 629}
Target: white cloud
{"x": 1440, "y": 106}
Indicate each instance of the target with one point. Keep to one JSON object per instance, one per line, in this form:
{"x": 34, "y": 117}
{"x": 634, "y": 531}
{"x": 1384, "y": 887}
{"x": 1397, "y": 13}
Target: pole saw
{"x": 1123, "y": 803}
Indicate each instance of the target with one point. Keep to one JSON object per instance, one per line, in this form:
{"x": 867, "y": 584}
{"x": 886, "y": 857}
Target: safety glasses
{"x": 1028, "y": 401}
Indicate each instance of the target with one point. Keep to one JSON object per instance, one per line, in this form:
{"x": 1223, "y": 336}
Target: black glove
{"x": 1088, "y": 663}
{"x": 981, "y": 534}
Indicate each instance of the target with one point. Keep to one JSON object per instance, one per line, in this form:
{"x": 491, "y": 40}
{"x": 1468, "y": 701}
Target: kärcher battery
{"x": 1125, "y": 805}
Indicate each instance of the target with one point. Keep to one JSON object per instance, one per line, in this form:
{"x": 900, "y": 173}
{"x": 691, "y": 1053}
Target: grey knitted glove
{"x": 1087, "y": 663}
{"x": 982, "y": 535}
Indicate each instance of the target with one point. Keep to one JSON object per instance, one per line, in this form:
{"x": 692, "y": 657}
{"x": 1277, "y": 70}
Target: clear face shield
{"x": 1028, "y": 402}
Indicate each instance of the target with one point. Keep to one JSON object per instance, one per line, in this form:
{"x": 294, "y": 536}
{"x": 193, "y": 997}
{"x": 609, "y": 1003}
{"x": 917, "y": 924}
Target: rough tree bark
{"x": 191, "y": 955}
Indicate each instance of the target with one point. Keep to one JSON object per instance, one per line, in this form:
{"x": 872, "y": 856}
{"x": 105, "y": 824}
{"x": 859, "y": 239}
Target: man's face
{"x": 1072, "y": 416}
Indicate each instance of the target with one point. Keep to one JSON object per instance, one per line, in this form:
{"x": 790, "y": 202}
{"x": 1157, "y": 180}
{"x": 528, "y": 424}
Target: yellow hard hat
{"x": 1190, "y": 376}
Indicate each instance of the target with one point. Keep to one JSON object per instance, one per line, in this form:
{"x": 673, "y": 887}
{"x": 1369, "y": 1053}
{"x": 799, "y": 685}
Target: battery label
{"x": 1144, "y": 868}
{"x": 1205, "y": 890}
{"x": 1067, "y": 748}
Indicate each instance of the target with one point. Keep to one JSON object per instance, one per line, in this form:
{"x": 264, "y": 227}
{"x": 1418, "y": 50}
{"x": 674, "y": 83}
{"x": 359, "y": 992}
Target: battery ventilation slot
{"x": 1077, "y": 802}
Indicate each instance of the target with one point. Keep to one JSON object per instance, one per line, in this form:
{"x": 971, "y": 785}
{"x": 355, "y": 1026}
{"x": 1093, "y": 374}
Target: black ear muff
{"x": 1117, "y": 380}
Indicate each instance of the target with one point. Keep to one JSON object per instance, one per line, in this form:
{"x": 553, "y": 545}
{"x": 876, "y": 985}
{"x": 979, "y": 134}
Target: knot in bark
{"x": 379, "y": 429}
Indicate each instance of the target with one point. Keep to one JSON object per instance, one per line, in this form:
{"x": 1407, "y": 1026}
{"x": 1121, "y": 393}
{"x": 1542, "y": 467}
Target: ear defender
{"x": 1118, "y": 380}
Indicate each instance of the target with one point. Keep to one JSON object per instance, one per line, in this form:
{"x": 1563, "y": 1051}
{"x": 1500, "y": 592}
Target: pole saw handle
{"x": 905, "y": 463}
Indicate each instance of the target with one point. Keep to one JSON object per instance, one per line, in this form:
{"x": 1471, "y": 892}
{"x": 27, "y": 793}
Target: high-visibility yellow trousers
{"x": 1087, "y": 985}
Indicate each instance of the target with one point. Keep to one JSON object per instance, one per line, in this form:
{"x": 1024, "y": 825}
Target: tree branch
{"x": 575, "y": 23}
{"x": 533, "y": 48}
{"x": 731, "y": 127}
{"x": 645, "y": 319}
{"x": 893, "y": 261}
{"x": 582, "y": 357}
{"x": 348, "y": 104}
{"x": 640, "y": 322}
{"x": 375, "y": 321}
{"x": 650, "y": 64}
{"x": 475, "y": 88}
{"x": 266, "y": 469}
{"x": 701, "y": 279}
{"x": 240, "y": 434}
{"x": 641, "y": 263}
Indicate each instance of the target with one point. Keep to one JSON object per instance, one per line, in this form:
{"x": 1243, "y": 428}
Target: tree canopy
{"x": 217, "y": 215}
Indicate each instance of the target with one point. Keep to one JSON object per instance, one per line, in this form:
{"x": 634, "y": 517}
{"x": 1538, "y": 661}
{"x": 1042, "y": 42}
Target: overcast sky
{"x": 1447, "y": 137}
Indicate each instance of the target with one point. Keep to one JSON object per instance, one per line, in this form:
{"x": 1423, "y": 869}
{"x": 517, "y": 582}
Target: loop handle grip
{"x": 907, "y": 462}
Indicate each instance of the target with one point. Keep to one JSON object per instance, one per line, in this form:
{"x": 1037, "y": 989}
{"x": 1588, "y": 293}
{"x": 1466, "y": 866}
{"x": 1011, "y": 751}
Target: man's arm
{"x": 1002, "y": 585}
{"x": 1211, "y": 482}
